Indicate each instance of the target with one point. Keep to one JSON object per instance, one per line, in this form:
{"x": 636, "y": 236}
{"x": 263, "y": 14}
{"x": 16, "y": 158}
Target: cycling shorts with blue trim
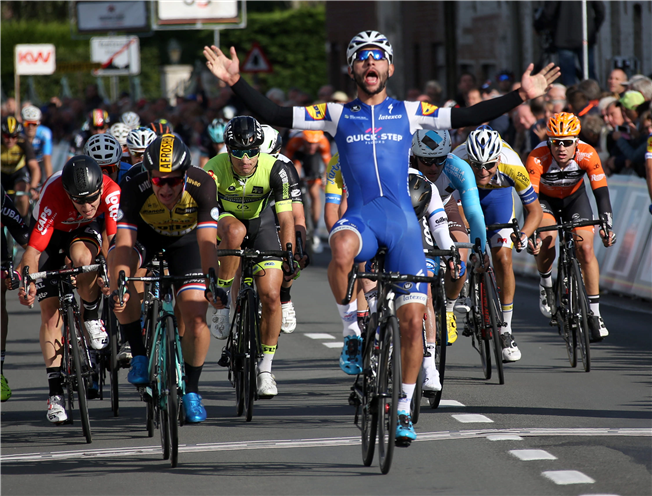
{"x": 498, "y": 208}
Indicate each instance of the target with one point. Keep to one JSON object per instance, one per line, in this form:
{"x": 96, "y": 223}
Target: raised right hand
{"x": 228, "y": 70}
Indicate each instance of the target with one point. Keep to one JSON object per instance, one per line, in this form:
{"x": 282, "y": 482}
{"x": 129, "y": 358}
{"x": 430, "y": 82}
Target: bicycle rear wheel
{"x": 173, "y": 391}
{"x": 581, "y": 315}
{"x": 250, "y": 321}
{"x": 389, "y": 389}
{"x": 74, "y": 334}
{"x": 439, "y": 302}
{"x": 113, "y": 357}
{"x": 415, "y": 405}
{"x": 495, "y": 321}
{"x": 563, "y": 313}
{"x": 369, "y": 406}
{"x": 151, "y": 401}
{"x": 238, "y": 351}
{"x": 159, "y": 388}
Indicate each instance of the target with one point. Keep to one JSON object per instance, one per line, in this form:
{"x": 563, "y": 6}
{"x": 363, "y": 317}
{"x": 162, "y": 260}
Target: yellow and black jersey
{"x": 16, "y": 157}
{"x": 197, "y": 208}
{"x": 247, "y": 197}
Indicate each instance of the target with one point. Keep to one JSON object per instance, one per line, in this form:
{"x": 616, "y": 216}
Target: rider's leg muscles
{"x": 269, "y": 289}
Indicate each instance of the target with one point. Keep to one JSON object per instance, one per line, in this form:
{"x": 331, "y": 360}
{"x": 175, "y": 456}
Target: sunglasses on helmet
{"x": 159, "y": 182}
{"x": 81, "y": 200}
{"x": 566, "y": 143}
{"x": 240, "y": 154}
{"x": 430, "y": 161}
{"x": 486, "y": 166}
{"x": 364, "y": 54}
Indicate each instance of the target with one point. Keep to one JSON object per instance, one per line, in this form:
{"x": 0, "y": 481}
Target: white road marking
{"x": 504, "y": 437}
{"x": 338, "y": 344}
{"x": 565, "y": 477}
{"x": 527, "y": 455}
{"x": 318, "y": 335}
{"x": 445, "y": 403}
{"x": 311, "y": 443}
{"x": 469, "y": 418}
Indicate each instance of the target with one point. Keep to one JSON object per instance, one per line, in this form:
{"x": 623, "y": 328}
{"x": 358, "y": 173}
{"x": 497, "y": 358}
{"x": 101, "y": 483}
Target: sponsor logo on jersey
{"x": 43, "y": 219}
{"x": 597, "y": 177}
{"x": 215, "y": 213}
{"x": 193, "y": 182}
{"x": 113, "y": 202}
{"x": 386, "y": 117}
{"x": 165, "y": 153}
{"x": 581, "y": 156}
{"x": 356, "y": 117}
{"x": 231, "y": 188}
{"x": 120, "y": 215}
{"x": 257, "y": 190}
{"x": 356, "y": 108}
{"x": 316, "y": 112}
{"x": 427, "y": 109}
{"x": 376, "y": 137}
{"x": 186, "y": 210}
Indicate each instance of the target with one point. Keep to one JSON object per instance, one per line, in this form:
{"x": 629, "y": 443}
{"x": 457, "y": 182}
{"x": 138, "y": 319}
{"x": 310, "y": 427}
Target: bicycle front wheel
{"x": 389, "y": 389}
{"x": 495, "y": 321}
{"x": 439, "y": 301}
{"x": 249, "y": 326}
{"x": 581, "y": 315}
{"x": 564, "y": 305}
{"x": 113, "y": 358}
{"x": 75, "y": 335}
{"x": 369, "y": 399}
{"x": 173, "y": 390}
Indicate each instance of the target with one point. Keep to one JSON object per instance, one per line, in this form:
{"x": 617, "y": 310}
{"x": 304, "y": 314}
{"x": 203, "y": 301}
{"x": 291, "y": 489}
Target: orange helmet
{"x": 313, "y": 136}
{"x": 563, "y": 124}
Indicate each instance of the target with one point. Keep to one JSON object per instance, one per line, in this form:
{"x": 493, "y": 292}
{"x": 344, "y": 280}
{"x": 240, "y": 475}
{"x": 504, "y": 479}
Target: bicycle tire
{"x": 249, "y": 314}
{"x": 173, "y": 391}
{"x": 563, "y": 312}
{"x": 483, "y": 347}
{"x": 238, "y": 350}
{"x": 389, "y": 386}
{"x": 150, "y": 401}
{"x": 159, "y": 386}
{"x": 415, "y": 405}
{"x": 114, "y": 367}
{"x": 581, "y": 315}
{"x": 74, "y": 332}
{"x": 495, "y": 322}
{"x": 369, "y": 406}
{"x": 439, "y": 302}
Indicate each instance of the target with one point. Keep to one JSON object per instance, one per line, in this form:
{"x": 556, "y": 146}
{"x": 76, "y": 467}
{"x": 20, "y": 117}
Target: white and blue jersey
{"x": 374, "y": 144}
{"x": 457, "y": 175}
{"x": 42, "y": 142}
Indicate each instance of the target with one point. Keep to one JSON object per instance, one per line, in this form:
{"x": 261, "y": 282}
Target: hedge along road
{"x": 549, "y": 430}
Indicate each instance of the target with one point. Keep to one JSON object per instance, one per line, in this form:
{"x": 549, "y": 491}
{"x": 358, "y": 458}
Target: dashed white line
{"x": 470, "y": 418}
{"x": 449, "y": 403}
{"x": 565, "y": 477}
{"x": 504, "y": 437}
{"x": 319, "y": 335}
{"x": 527, "y": 455}
{"x": 331, "y": 344}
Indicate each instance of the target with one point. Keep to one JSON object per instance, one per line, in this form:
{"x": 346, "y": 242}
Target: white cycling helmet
{"x": 104, "y": 148}
{"x": 139, "y": 139}
{"x": 428, "y": 143}
{"x": 484, "y": 145}
{"x": 131, "y": 119}
{"x": 30, "y": 113}
{"x": 273, "y": 141}
{"x": 369, "y": 38}
{"x": 120, "y": 131}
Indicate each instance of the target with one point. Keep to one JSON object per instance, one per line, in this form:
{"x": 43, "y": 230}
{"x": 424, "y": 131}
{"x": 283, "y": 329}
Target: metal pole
{"x": 216, "y": 38}
{"x": 585, "y": 42}
{"x": 17, "y": 92}
{"x": 114, "y": 88}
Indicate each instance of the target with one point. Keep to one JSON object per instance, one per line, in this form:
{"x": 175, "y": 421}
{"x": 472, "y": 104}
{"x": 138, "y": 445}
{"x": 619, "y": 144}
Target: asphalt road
{"x": 550, "y": 429}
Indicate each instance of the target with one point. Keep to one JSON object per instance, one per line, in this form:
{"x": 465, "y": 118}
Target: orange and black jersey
{"x": 197, "y": 208}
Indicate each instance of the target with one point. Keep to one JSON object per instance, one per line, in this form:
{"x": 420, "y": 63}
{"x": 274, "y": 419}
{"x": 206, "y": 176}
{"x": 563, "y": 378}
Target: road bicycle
{"x": 376, "y": 391}
{"x": 76, "y": 368}
{"x": 164, "y": 392}
{"x": 243, "y": 346}
{"x": 570, "y": 308}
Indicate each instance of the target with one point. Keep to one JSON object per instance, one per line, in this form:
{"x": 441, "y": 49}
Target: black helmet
{"x": 82, "y": 177}
{"x": 244, "y": 132}
{"x": 167, "y": 153}
{"x": 160, "y": 127}
{"x": 420, "y": 193}
{"x": 11, "y": 126}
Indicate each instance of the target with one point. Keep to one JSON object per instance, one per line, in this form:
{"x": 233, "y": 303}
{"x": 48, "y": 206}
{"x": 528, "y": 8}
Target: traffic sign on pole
{"x": 119, "y": 55}
{"x": 256, "y": 61}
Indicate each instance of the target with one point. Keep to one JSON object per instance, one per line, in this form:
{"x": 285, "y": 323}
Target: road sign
{"x": 111, "y": 16}
{"x": 197, "y": 11}
{"x": 119, "y": 55}
{"x": 256, "y": 61}
{"x": 34, "y": 60}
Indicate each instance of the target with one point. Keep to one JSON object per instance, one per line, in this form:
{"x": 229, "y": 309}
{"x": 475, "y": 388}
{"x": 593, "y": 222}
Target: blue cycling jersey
{"x": 124, "y": 167}
{"x": 42, "y": 142}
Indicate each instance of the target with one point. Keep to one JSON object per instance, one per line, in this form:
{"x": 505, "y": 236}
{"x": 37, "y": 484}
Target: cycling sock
{"x": 372, "y": 298}
{"x": 192, "y": 378}
{"x": 92, "y": 309}
{"x": 362, "y": 317}
{"x": 429, "y": 362}
{"x": 450, "y": 304}
{"x": 265, "y": 364}
{"x": 2, "y": 362}
{"x": 54, "y": 380}
{"x": 594, "y": 304}
{"x": 225, "y": 283}
{"x": 546, "y": 279}
{"x": 408, "y": 392}
{"x": 349, "y": 316}
{"x": 508, "y": 312}
{"x": 285, "y": 294}
{"x": 134, "y": 334}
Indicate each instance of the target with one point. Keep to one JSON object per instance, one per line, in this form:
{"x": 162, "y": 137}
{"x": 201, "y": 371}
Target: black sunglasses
{"x": 430, "y": 161}
{"x": 81, "y": 200}
{"x": 487, "y": 166}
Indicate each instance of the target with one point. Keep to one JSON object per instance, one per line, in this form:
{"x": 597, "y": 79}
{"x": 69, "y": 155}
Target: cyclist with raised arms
{"x": 247, "y": 180}
{"x": 212, "y": 141}
{"x": 373, "y": 139}
{"x": 39, "y": 136}
{"x": 65, "y": 225}
{"x": 557, "y": 168}
{"x": 171, "y": 206}
{"x": 497, "y": 170}
{"x": 20, "y": 170}
{"x": 454, "y": 179}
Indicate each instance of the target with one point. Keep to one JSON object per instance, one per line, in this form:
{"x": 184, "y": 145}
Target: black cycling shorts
{"x": 575, "y": 207}
{"x": 9, "y": 181}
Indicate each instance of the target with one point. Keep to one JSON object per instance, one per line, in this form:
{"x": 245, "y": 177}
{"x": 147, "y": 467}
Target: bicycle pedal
{"x": 429, "y": 394}
{"x": 467, "y": 332}
{"x": 225, "y": 359}
{"x": 402, "y": 442}
{"x": 353, "y": 399}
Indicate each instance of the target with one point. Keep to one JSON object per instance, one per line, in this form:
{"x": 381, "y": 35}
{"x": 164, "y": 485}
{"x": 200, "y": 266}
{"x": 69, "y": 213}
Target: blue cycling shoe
{"x": 404, "y": 429}
{"x": 351, "y": 357}
{"x": 138, "y": 374}
{"x": 193, "y": 408}
{"x": 93, "y": 390}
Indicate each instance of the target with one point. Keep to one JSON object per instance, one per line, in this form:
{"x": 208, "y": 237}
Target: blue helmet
{"x": 216, "y": 130}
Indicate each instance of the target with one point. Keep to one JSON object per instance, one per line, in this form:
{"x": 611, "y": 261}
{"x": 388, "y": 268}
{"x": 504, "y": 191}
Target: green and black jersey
{"x": 247, "y": 197}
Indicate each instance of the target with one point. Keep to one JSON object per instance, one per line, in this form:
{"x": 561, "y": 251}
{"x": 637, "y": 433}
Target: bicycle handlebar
{"x": 572, "y": 225}
{"x": 513, "y": 225}
{"x": 59, "y": 273}
{"x": 249, "y": 253}
{"x": 380, "y": 276}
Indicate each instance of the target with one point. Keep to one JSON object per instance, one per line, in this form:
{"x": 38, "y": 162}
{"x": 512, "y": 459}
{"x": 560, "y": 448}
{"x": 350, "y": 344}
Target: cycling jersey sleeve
{"x": 110, "y": 204}
{"x": 648, "y": 152}
{"x": 46, "y": 134}
{"x": 604, "y": 203}
{"x": 484, "y": 111}
{"x": 279, "y": 181}
{"x": 13, "y": 221}
{"x": 267, "y": 110}
{"x": 461, "y": 177}
{"x": 534, "y": 169}
{"x": 334, "y": 183}
{"x": 29, "y": 151}
{"x": 131, "y": 202}
{"x": 45, "y": 213}
{"x": 206, "y": 197}
{"x": 438, "y": 220}
{"x": 295, "y": 188}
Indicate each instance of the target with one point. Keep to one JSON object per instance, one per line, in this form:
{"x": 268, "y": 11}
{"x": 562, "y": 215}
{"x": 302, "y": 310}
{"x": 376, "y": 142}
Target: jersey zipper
{"x": 373, "y": 134}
